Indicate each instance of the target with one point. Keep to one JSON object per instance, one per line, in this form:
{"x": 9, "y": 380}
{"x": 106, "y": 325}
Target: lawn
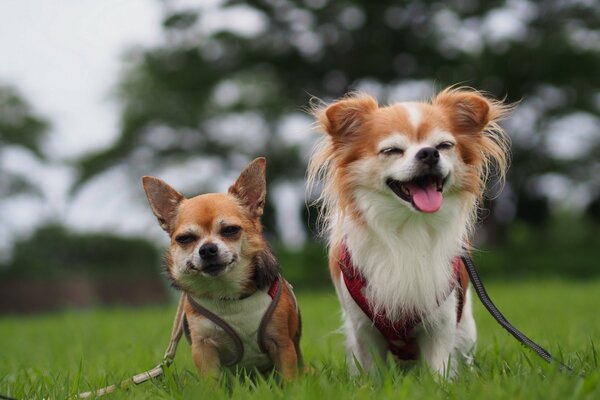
{"x": 53, "y": 356}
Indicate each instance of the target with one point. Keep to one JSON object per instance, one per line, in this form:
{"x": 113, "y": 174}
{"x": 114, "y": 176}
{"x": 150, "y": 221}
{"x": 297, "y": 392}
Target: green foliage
{"x": 55, "y": 356}
{"x": 54, "y": 252}
{"x": 170, "y": 92}
{"x": 306, "y": 267}
{"x": 19, "y": 125}
{"x": 564, "y": 247}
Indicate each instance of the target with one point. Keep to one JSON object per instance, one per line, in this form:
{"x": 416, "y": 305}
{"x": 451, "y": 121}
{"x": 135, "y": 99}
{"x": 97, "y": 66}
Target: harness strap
{"x": 398, "y": 332}
{"x": 461, "y": 289}
{"x": 275, "y": 293}
{"x": 239, "y": 346}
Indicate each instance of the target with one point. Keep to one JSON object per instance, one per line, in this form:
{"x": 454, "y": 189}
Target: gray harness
{"x": 275, "y": 293}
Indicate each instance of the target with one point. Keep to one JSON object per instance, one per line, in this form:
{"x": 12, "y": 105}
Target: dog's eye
{"x": 445, "y": 146}
{"x": 185, "y": 239}
{"x": 388, "y": 151}
{"x": 230, "y": 230}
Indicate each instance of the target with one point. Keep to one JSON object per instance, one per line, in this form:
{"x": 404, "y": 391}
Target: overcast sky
{"x": 65, "y": 57}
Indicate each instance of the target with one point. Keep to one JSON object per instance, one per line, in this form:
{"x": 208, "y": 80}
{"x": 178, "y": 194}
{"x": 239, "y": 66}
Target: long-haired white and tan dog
{"x": 401, "y": 186}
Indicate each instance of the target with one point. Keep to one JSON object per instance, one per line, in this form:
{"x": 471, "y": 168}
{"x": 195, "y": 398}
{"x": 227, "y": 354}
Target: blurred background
{"x": 93, "y": 95}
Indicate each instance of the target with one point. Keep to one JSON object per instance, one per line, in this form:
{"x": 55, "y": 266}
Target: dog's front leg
{"x": 364, "y": 343}
{"x": 437, "y": 339}
{"x": 284, "y": 358}
{"x": 206, "y": 357}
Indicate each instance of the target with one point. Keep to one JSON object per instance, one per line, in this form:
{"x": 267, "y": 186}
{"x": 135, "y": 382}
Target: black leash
{"x": 493, "y": 310}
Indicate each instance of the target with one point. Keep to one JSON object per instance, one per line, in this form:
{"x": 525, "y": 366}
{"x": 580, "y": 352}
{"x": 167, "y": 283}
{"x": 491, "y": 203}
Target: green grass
{"x": 53, "y": 356}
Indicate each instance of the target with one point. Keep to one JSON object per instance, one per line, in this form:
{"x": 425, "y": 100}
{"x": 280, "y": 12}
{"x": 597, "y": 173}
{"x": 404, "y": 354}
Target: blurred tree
{"x": 54, "y": 252}
{"x": 20, "y": 127}
{"x": 229, "y": 77}
{"x": 56, "y": 267}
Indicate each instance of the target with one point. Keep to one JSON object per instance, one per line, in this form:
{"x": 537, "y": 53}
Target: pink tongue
{"x": 425, "y": 198}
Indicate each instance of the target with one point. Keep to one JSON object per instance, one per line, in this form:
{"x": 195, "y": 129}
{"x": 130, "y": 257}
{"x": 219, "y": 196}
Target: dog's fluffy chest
{"x": 244, "y": 316}
{"x": 406, "y": 261}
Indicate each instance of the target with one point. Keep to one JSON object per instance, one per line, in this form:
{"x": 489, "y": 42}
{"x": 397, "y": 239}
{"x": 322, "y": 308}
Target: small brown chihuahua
{"x": 237, "y": 309}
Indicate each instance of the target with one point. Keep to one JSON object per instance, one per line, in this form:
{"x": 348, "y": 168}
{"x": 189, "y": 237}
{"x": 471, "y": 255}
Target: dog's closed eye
{"x": 230, "y": 230}
{"x": 185, "y": 239}
{"x": 445, "y": 145}
{"x": 388, "y": 151}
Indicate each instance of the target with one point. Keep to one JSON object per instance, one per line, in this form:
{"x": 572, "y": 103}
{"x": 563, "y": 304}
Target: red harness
{"x": 397, "y": 333}
{"x": 274, "y": 287}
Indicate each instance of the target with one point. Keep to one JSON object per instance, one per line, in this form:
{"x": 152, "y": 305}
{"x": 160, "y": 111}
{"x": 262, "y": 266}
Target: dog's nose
{"x": 208, "y": 251}
{"x": 428, "y": 155}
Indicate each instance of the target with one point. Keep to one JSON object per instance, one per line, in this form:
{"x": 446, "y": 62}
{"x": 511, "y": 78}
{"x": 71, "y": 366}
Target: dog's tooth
{"x": 439, "y": 184}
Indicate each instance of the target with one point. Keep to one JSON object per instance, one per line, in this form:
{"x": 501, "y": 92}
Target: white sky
{"x": 65, "y": 57}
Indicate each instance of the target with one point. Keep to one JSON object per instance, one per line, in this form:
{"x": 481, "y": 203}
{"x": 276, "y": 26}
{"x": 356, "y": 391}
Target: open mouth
{"x": 424, "y": 192}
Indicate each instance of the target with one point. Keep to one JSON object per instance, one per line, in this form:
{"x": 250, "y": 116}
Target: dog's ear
{"x": 348, "y": 115}
{"x": 250, "y": 188}
{"x": 164, "y": 201}
{"x": 469, "y": 111}
{"x": 266, "y": 268}
{"x": 472, "y": 114}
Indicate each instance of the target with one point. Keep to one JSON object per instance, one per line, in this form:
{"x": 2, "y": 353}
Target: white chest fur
{"x": 244, "y": 316}
{"x": 405, "y": 257}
